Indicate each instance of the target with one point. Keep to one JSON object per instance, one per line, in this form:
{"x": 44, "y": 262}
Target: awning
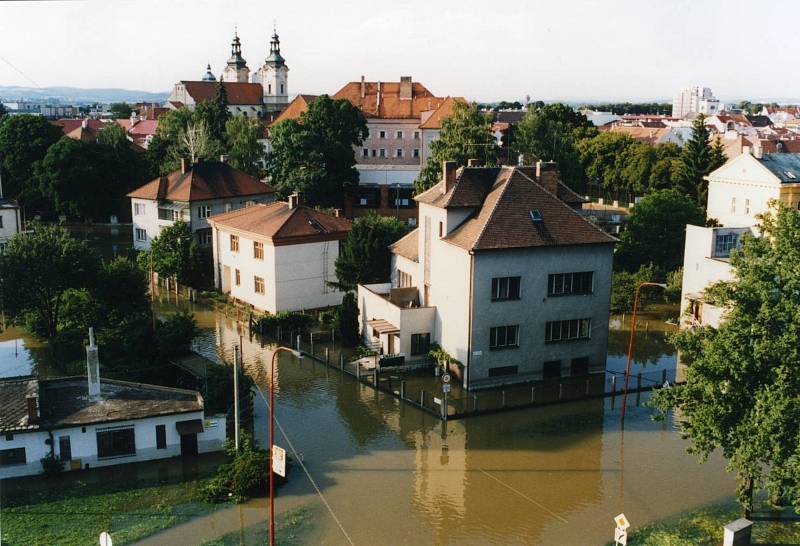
{"x": 383, "y": 326}
{"x": 190, "y": 426}
{"x": 172, "y": 205}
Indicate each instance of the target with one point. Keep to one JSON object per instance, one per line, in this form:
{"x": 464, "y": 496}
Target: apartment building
{"x": 503, "y": 273}
{"x": 695, "y": 100}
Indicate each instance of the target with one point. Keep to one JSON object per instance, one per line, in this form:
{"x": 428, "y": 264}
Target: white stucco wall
{"x": 11, "y": 224}
{"x": 84, "y": 444}
{"x": 742, "y": 179}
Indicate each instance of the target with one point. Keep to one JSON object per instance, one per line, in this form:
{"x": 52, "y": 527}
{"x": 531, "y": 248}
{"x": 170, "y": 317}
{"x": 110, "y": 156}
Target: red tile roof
{"x": 503, "y": 217}
{"x": 283, "y": 225}
{"x": 407, "y": 246}
{"x": 295, "y": 108}
{"x": 445, "y": 109}
{"x": 202, "y": 182}
{"x": 69, "y": 125}
{"x": 238, "y": 92}
{"x": 387, "y": 103}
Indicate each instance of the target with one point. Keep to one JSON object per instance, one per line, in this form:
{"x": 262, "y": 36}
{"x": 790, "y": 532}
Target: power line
{"x": 20, "y": 72}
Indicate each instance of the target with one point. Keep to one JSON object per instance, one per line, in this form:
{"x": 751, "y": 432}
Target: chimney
{"x": 448, "y": 175}
{"x": 758, "y": 151}
{"x": 547, "y": 175}
{"x": 745, "y": 149}
{"x": 473, "y": 163}
{"x": 93, "y": 367}
{"x": 378, "y": 100}
{"x": 363, "y": 87}
{"x": 406, "y": 88}
{"x": 295, "y": 200}
{"x": 33, "y": 410}
{"x": 185, "y": 165}
{"x": 85, "y": 123}
{"x": 337, "y": 213}
{"x": 223, "y": 158}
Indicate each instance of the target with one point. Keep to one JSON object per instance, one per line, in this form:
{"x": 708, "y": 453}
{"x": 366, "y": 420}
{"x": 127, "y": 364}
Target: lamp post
{"x": 298, "y": 354}
{"x": 630, "y": 343}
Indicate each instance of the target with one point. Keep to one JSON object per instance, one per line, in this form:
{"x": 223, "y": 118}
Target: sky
{"x": 485, "y": 51}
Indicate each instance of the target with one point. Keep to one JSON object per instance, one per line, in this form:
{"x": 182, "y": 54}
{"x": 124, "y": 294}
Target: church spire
{"x": 236, "y": 69}
{"x": 275, "y": 49}
{"x": 209, "y": 76}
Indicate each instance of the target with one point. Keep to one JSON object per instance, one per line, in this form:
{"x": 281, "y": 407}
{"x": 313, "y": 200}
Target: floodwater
{"x": 381, "y": 472}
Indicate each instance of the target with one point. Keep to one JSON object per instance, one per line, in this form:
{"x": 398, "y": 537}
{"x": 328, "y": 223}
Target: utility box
{"x": 737, "y": 533}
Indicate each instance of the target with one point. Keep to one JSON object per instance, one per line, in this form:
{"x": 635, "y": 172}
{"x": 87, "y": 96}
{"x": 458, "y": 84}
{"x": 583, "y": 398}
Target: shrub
{"x": 51, "y": 465}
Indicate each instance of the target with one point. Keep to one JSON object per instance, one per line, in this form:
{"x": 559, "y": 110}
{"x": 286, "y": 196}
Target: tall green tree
{"x": 347, "y": 320}
{"x": 550, "y": 132}
{"x": 742, "y": 390}
{"x": 314, "y": 153}
{"x": 604, "y": 158}
{"x": 176, "y": 254}
{"x": 37, "y": 270}
{"x": 163, "y": 152}
{"x": 121, "y": 110}
{"x": 364, "y": 256}
{"x": 215, "y": 114}
{"x": 24, "y": 140}
{"x": 466, "y": 134}
{"x": 245, "y": 152}
{"x": 656, "y": 231}
{"x": 699, "y": 158}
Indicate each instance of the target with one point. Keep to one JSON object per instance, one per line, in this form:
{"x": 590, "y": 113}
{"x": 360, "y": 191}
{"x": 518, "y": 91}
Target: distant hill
{"x": 77, "y": 96}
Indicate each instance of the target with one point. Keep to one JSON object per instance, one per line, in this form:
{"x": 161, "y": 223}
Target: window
{"x": 420, "y": 344}
{"x": 258, "y": 285}
{"x": 64, "y": 448}
{"x": 500, "y": 371}
{"x": 416, "y": 152}
{"x": 746, "y": 207}
{"x": 570, "y": 284}
{"x": 398, "y": 152}
{"x": 551, "y": 369}
{"x": 579, "y": 366}
{"x": 116, "y": 443}
{"x": 567, "y": 330}
{"x": 399, "y": 134}
{"x": 9, "y": 437}
{"x": 441, "y": 230}
{"x": 138, "y": 209}
{"x": 269, "y": 88}
{"x": 504, "y": 337}
{"x": 9, "y": 457}
{"x": 368, "y": 196}
{"x": 281, "y": 89}
{"x": 234, "y": 243}
{"x": 382, "y": 152}
{"x": 204, "y": 237}
{"x": 733, "y": 205}
{"x": 726, "y": 243}
{"x": 416, "y": 135}
{"x": 364, "y": 152}
{"x": 161, "y": 436}
{"x": 169, "y": 214}
{"x": 204, "y": 211}
{"x": 505, "y": 288}
{"x": 258, "y": 250}
{"x": 237, "y": 277}
{"x": 382, "y": 134}
{"x": 374, "y": 152}
{"x": 141, "y": 234}
{"x": 403, "y": 279}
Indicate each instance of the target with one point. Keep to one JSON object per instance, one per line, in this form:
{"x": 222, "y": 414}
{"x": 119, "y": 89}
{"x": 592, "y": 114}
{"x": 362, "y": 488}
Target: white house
{"x": 278, "y": 257}
{"x": 10, "y": 222}
{"x": 738, "y": 192}
{"x": 503, "y": 273}
{"x": 193, "y": 194}
{"x": 87, "y": 422}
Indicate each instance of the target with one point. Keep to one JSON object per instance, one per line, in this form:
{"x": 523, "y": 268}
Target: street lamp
{"x": 297, "y": 354}
{"x": 630, "y": 343}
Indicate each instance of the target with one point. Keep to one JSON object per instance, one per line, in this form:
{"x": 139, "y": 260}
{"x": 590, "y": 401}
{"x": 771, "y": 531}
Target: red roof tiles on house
{"x": 239, "y": 93}
{"x": 383, "y": 99}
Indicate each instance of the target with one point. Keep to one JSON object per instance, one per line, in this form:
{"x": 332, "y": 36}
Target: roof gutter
{"x": 469, "y": 320}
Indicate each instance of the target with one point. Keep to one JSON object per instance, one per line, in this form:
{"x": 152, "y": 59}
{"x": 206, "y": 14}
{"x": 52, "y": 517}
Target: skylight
{"x": 536, "y": 216}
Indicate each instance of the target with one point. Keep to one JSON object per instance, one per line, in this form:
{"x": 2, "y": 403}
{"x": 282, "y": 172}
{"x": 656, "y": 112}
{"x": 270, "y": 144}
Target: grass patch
{"x": 78, "y": 513}
{"x": 704, "y": 527}
{"x": 288, "y": 531}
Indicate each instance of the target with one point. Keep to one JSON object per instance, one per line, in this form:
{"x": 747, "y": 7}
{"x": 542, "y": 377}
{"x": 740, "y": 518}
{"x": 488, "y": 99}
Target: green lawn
{"x": 288, "y": 532}
{"x": 79, "y": 512}
{"x": 704, "y": 527}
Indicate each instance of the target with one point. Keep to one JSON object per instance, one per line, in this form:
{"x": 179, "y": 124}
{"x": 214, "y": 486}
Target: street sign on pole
{"x": 620, "y": 536}
{"x": 105, "y": 539}
{"x": 446, "y": 387}
{"x": 446, "y": 378}
{"x": 622, "y": 522}
{"x": 279, "y": 461}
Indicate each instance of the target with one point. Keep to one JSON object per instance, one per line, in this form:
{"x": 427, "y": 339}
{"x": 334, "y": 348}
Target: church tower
{"x": 236, "y": 69}
{"x": 274, "y": 77}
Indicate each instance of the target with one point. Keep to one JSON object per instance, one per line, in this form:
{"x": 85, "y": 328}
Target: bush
{"x": 623, "y": 288}
{"x": 287, "y": 321}
{"x": 51, "y": 465}
{"x": 245, "y": 476}
{"x": 674, "y": 286}
{"x": 174, "y": 336}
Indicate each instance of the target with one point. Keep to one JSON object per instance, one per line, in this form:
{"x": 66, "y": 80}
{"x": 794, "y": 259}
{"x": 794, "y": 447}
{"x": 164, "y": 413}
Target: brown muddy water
{"x": 382, "y": 472}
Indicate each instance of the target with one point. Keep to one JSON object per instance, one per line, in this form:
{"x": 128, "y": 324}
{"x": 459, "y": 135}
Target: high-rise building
{"x": 696, "y": 99}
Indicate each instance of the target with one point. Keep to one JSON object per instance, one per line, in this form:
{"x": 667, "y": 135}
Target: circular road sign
{"x": 446, "y": 378}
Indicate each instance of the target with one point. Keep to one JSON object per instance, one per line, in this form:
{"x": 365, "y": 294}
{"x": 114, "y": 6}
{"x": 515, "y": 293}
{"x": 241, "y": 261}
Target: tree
{"x": 120, "y": 110}
{"x": 742, "y": 389}
{"x": 314, "y": 154}
{"x": 3, "y": 110}
{"x": 346, "y": 321}
{"x": 466, "y": 134}
{"x": 245, "y": 152}
{"x": 549, "y": 132}
{"x": 176, "y": 254}
{"x": 603, "y": 158}
{"x": 162, "y": 152}
{"x": 37, "y": 269}
{"x": 364, "y": 256}
{"x": 214, "y": 114}
{"x": 656, "y": 230}
{"x": 699, "y": 159}
{"x": 113, "y": 135}
{"x": 24, "y": 140}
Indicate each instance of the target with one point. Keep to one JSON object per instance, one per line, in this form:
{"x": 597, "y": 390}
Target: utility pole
{"x": 236, "y": 357}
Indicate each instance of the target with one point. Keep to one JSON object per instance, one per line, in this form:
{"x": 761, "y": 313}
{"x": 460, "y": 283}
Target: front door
{"x": 188, "y": 445}
{"x": 64, "y": 448}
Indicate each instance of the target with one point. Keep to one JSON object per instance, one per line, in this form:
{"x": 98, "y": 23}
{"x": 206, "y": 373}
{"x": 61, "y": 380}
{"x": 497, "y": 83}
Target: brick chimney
{"x": 223, "y": 158}
{"x": 93, "y": 367}
{"x": 33, "y": 410}
{"x": 185, "y": 165}
{"x": 473, "y": 163}
{"x": 295, "y": 200}
{"x": 448, "y": 175}
{"x": 406, "y": 88}
{"x": 363, "y": 87}
{"x": 547, "y": 175}
{"x": 337, "y": 213}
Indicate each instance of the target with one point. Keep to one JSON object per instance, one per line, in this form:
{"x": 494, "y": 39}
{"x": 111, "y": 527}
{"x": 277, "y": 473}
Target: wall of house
{"x": 390, "y": 143}
{"x": 742, "y": 179}
{"x": 535, "y": 308}
{"x": 248, "y": 267}
{"x": 302, "y": 274}
{"x": 11, "y": 224}
{"x": 84, "y": 444}
{"x": 428, "y": 136}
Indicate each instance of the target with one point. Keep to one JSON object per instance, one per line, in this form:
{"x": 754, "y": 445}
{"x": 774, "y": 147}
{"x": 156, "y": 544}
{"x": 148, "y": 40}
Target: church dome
{"x": 208, "y": 76}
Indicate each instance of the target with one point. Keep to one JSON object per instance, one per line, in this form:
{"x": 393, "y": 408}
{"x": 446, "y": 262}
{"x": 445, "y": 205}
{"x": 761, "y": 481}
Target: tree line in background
{"x": 630, "y": 108}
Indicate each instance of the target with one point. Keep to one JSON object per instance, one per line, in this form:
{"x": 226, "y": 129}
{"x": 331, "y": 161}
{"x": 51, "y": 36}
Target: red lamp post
{"x": 630, "y": 343}
{"x": 298, "y": 354}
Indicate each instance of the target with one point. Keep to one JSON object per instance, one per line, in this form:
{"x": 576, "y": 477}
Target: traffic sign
{"x": 446, "y": 387}
{"x": 279, "y": 461}
{"x": 446, "y": 378}
{"x": 105, "y": 539}
{"x": 622, "y": 522}
{"x": 620, "y": 536}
